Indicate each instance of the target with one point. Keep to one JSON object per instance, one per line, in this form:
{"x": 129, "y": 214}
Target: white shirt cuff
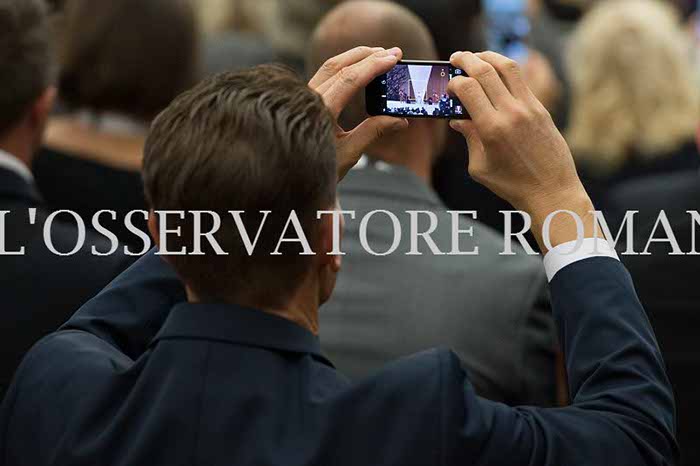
{"x": 568, "y": 253}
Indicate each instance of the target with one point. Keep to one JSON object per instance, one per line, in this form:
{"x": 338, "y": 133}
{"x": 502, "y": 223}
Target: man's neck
{"x": 411, "y": 152}
{"x": 18, "y": 149}
{"x": 303, "y": 317}
{"x": 302, "y": 309}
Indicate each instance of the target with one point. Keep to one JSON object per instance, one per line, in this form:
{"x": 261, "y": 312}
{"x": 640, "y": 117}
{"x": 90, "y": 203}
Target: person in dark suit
{"x": 39, "y": 288}
{"x": 506, "y": 341}
{"x": 670, "y": 297}
{"x": 235, "y": 375}
{"x": 121, "y": 62}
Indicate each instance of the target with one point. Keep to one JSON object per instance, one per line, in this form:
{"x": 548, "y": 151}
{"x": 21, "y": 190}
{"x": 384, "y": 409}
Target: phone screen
{"x": 415, "y": 90}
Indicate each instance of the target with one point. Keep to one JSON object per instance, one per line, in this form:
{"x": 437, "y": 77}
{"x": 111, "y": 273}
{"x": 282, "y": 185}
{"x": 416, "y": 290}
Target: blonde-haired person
{"x": 635, "y": 103}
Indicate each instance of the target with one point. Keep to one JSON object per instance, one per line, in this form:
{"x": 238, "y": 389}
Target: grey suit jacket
{"x": 492, "y": 310}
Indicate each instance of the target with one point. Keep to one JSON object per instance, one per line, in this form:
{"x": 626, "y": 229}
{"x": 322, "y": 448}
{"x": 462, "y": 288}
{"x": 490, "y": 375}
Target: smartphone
{"x": 416, "y": 89}
{"x": 508, "y": 28}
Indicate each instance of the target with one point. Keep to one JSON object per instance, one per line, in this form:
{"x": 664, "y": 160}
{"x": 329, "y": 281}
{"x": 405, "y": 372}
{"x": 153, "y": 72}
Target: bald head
{"x": 374, "y": 23}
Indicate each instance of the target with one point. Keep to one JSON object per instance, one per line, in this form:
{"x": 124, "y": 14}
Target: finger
{"x": 368, "y": 132}
{"x": 509, "y": 71}
{"x": 472, "y": 95}
{"x": 352, "y": 79}
{"x": 332, "y": 66}
{"x": 487, "y": 76}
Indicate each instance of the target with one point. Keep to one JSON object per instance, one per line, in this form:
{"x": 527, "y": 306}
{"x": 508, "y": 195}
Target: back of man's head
{"x": 375, "y": 23}
{"x": 25, "y": 58}
{"x": 258, "y": 140}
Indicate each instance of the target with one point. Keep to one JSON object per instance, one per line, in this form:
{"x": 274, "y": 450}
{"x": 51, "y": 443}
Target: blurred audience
{"x": 638, "y": 122}
{"x": 553, "y": 22}
{"x": 40, "y": 289}
{"x": 233, "y": 34}
{"x": 506, "y": 340}
{"x": 231, "y": 51}
{"x": 121, "y": 62}
{"x": 666, "y": 285}
{"x": 263, "y": 29}
{"x": 291, "y": 29}
{"x": 635, "y": 102}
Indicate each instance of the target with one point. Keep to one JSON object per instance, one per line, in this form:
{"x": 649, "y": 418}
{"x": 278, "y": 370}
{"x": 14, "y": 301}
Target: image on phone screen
{"x": 415, "y": 89}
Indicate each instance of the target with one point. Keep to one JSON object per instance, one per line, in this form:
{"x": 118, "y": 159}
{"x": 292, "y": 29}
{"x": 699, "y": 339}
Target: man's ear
{"x": 41, "y": 110}
{"x": 326, "y": 246}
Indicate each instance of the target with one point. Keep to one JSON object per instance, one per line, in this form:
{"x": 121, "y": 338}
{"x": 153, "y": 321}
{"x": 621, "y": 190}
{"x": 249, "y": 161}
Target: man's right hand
{"x": 515, "y": 149}
{"x": 338, "y": 82}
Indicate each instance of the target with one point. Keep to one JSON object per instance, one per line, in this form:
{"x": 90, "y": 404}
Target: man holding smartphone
{"x": 240, "y": 380}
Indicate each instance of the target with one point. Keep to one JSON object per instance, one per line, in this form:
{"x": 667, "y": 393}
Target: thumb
{"x": 373, "y": 129}
{"x": 477, "y": 152}
{"x": 468, "y": 129}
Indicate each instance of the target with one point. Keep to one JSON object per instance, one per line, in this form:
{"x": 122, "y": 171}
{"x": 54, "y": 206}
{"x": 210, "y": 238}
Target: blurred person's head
{"x": 294, "y": 22}
{"x": 258, "y": 140}
{"x": 455, "y": 25}
{"x": 26, "y": 93}
{"x": 377, "y": 23}
{"x": 127, "y": 56}
{"x": 686, "y": 7}
{"x": 568, "y": 10}
{"x": 251, "y": 17}
{"x": 634, "y": 93}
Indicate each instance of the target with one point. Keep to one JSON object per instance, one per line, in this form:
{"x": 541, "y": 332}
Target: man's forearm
{"x": 613, "y": 361}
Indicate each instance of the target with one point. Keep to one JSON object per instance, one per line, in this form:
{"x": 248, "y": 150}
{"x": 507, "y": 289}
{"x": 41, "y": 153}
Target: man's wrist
{"x": 575, "y": 221}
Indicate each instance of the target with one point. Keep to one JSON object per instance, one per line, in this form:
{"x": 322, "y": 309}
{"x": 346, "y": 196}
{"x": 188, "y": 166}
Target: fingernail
{"x": 454, "y": 125}
{"x": 454, "y": 55}
{"x": 395, "y": 52}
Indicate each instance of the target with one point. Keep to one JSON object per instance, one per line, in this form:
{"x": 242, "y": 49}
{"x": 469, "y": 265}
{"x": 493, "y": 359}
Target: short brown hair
{"x": 257, "y": 140}
{"x": 129, "y": 56}
{"x": 25, "y": 58}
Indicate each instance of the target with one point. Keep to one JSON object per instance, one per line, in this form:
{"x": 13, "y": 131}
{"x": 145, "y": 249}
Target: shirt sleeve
{"x": 569, "y": 253}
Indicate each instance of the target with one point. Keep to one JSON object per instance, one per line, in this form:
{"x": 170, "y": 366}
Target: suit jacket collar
{"x": 15, "y": 186}
{"x": 376, "y": 178}
{"x": 240, "y": 326}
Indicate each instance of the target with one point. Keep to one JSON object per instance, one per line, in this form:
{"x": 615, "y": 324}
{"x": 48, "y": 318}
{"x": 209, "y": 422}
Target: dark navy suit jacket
{"x": 223, "y": 385}
{"x": 40, "y": 290}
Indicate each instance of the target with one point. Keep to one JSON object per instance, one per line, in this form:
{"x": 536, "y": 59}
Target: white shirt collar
{"x": 12, "y": 163}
